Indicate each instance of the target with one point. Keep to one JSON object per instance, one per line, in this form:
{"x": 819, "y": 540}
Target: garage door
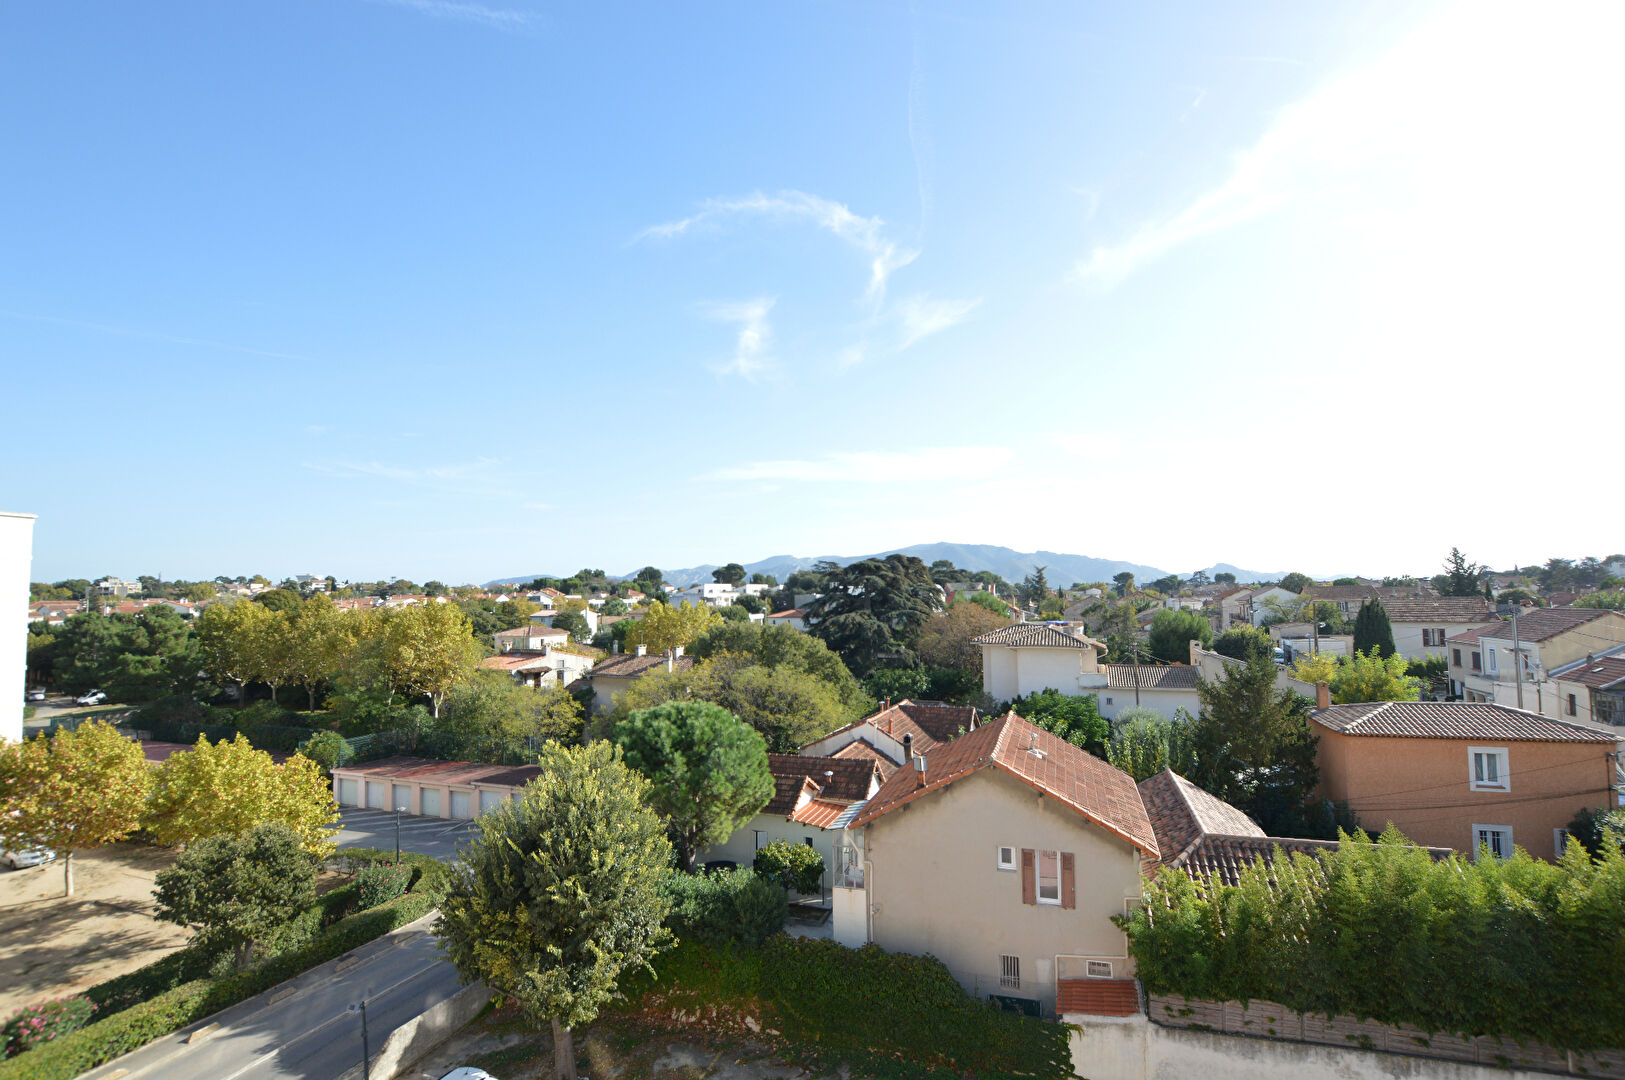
{"x": 430, "y": 804}
{"x": 403, "y": 797}
{"x": 490, "y": 800}
{"x": 461, "y": 805}
{"x": 375, "y": 795}
{"x": 347, "y": 793}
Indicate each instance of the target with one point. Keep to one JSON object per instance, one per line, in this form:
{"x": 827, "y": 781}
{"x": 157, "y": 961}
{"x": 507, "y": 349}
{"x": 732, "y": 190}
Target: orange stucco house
{"x": 1463, "y": 774}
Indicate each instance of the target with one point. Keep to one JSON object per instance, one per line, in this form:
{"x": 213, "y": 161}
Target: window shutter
{"x": 1029, "y": 877}
{"x": 1069, "y": 882}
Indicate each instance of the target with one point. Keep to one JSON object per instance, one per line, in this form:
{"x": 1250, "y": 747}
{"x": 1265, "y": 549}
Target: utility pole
{"x": 1517, "y": 655}
{"x": 1136, "y": 674}
{"x": 366, "y": 1055}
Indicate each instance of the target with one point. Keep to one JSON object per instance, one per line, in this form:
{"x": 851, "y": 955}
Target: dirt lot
{"x": 502, "y": 1045}
{"x": 51, "y": 945}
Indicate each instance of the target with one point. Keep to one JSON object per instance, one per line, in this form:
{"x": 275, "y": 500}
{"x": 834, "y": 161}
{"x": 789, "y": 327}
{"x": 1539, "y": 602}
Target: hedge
{"x": 431, "y": 876}
{"x": 189, "y": 1002}
{"x": 891, "y": 1014}
{"x": 1515, "y": 948}
{"x": 715, "y": 907}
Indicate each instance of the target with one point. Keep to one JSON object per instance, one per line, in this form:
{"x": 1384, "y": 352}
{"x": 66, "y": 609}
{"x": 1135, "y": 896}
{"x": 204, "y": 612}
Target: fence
{"x": 1268, "y": 1020}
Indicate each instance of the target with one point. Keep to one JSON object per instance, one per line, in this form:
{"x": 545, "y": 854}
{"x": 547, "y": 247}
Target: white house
{"x": 531, "y": 638}
{"x": 789, "y": 617}
{"x": 1027, "y": 658}
{"x": 1262, "y": 597}
{"x": 1422, "y": 623}
{"x": 540, "y": 668}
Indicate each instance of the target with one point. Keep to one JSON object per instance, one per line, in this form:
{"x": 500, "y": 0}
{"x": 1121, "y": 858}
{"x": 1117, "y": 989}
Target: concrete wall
{"x": 1133, "y": 1048}
{"x": 934, "y": 885}
{"x": 407, "y": 1044}
{"x": 1114, "y": 701}
{"x": 16, "y": 556}
{"x": 1421, "y": 785}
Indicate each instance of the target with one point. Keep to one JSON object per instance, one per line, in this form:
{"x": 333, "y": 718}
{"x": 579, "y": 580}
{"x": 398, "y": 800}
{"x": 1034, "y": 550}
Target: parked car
{"x": 468, "y": 1072}
{"x": 92, "y": 697}
{"x": 36, "y": 694}
{"x": 17, "y": 860}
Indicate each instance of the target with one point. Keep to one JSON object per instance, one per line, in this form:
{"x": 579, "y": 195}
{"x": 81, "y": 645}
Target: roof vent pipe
{"x": 908, "y": 748}
{"x": 919, "y": 768}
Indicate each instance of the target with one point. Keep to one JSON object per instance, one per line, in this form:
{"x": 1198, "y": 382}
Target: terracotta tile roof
{"x": 1097, "y": 997}
{"x": 819, "y": 813}
{"x": 1223, "y": 858}
{"x": 788, "y": 791}
{"x": 1440, "y": 609}
{"x": 864, "y": 750}
{"x": 1539, "y": 624}
{"x": 848, "y": 779}
{"x": 1151, "y": 676}
{"x": 532, "y": 631}
{"x": 1599, "y": 673}
{"x": 510, "y": 661}
{"x": 930, "y": 722}
{"x": 428, "y": 770}
{"x": 1180, "y": 812}
{"x": 631, "y": 665}
{"x": 1036, "y": 635}
{"x": 1452, "y": 720}
{"x": 1469, "y": 637}
{"x": 788, "y": 613}
{"x": 1338, "y": 593}
{"x": 1077, "y": 779}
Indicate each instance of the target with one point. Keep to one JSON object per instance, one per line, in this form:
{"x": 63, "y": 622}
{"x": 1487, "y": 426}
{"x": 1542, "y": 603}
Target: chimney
{"x": 643, "y": 650}
{"x": 919, "y": 768}
{"x": 908, "y": 748}
{"x": 671, "y": 662}
{"x": 678, "y": 651}
{"x": 1323, "y": 696}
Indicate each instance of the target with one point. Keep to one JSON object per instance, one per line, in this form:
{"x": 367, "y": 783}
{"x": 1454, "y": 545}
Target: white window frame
{"x": 1503, "y": 782}
{"x": 1038, "y": 877}
{"x": 1507, "y": 844}
{"x": 1001, "y": 862}
{"x": 1009, "y": 972}
{"x": 1090, "y": 969}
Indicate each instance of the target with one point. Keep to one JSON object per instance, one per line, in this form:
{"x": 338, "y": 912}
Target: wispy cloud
{"x": 495, "y": 18}
{"x": 922, "y": 316}
{"x": 863, "y": 233}
{"x": 486, "y": 477}
{"x": 750, "y": 358}
{"x": 149, "y": 335}
{"x": 878, "y": 467}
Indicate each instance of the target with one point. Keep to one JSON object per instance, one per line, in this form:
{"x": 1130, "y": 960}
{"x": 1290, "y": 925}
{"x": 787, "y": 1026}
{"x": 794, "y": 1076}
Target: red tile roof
{"x": 788, "y": 613}
{"x": 819, "y": 813}
{"x": 842, "y": 779}
{"x": 1180, "y": 812}
{"x": 631, "y": 665}
{"x": 1077, "y": 779}
{"x": 1600, "y": 673}
{"x": 1452, "y": 720}
{"x": 1440, "y": 609}
{"x": 1036, "y": 635}
{"x": 1097, "y": 997}
{"x": 428, "y": 770}
{"x": 864, "y": 750}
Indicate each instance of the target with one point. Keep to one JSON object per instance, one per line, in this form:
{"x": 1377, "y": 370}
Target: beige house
{"x": 532, "y": 638}
{"x": 1592, "y": 690}
{"x": 1422, "y": 623}
{"x": 1487, "y": 665}
{"x": 888, "y": 736}
{"x": 1004, "y": 854}
{"x": 1029, "y": 658}
{"x": 614, "y": 674}
{"x": 562, "y": 666}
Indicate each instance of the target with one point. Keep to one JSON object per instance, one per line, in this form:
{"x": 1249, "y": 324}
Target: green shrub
{"x": 139, "y": 1024}
{"x": 326, "y": 748}
{"x": 721, "y": 906}
{"x": 379, "y": 883}
{"x": 37, "y": 1024}
{"x": 1528, "y": 950}
{"x": 793, "y": 867}
{"x": 430, "y": 875}
{"x": 888, "y": 1014}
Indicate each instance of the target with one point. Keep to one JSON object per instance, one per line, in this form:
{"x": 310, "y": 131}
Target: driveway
{"x": 438, "y": 837}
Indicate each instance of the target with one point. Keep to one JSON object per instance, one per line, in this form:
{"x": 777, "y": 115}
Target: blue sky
{"x": 439, "y": 289}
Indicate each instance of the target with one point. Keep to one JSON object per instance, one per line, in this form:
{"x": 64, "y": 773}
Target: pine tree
{"x": 1373, "y": 633}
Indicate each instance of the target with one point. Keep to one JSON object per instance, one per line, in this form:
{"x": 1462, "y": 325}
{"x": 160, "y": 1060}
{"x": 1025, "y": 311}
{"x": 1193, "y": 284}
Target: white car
{"x": 17, "y": 860}
{"x": 36, "y": 694}
{"x": 468, "y": 1072}
{"x": 92, "y": 697}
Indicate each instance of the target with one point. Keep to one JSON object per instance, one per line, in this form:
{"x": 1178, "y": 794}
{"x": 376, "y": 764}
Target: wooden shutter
{"x": 1029, "y": 877}
{"x": 1069, "y": 882}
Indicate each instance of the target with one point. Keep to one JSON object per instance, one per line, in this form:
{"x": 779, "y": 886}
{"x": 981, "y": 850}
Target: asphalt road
{"x": 304, "y": 1029}
{"x": 438, "y": 837}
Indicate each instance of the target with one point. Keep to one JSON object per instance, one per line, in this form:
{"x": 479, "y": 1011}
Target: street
{"x": 438, "y": 837}
{"x": 304, "y": 1029}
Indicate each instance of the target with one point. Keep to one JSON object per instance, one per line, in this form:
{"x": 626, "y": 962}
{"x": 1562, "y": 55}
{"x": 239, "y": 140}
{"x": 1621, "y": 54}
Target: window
{"x": 1455, "y": 657}
{"x": 1434, "y": 637}
{"x": 1573, "y": 706}
{"x": 1560, "y": 841}
{"x": 1478, "y": 663}
{"x": 1495, "y": 664}
{"x": 807, "y": 840}
{"x": 1098, "y": 969}
{"x": 1497, "y": 838}
{"x": 1049, "y": 877}
{"x": 1489, "y": 768}
{"x": 1010, "y": 972}
{"x": 1007, "y": 858}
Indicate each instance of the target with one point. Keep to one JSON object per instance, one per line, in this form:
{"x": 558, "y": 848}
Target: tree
{"x": 1198, "y": 579}
{"x": 666, "y": 627}
{"x": 615, "y": 606}
{"x": 226, "y": 788}
{"x": 71, "y": 791}
{"x": 1124, "y": 581}
{"x": 1173, "y": 631}
{"x": 1370, "y": 677}
{"x": 561, "y": 892}
{"x": 707, "y": 770}
{"x": 785, "y": 646}
{"x": 241, "y": 890}
{"x": 285, "y": 600}
{"x": 787, "y": 705}
{"x": 1253, "y": 747}
{"x": 491, "y": 704}
{"x": 1372, "y": 631}
{"x": 764, "y": 579}
{"x": 574, "y": 623}
{"x": 797, "y": 868}
{"x": 1035, "y": 587}
{"x": 1315, "y": 668}
{"x": 1075, "y": 719}
{"x": 1296, "y": 583}
{"x": 732, "y": 574}
{"x": 871, "y": 610}
{"x": 428, "y": 649}
{"x": 1144, "y": 742}
{"x": 198, "y": 591}
{"x": 986, "y": 600}
{"x": 1167, "y": 585}
{"x": 945, "y": 639}
{"x": 1460, "y": 577}
{"x": 1244, "y": 642}
{"x": 1224, "y": 577}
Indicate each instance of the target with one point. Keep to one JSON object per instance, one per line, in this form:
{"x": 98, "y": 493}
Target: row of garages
{"x": 429, "y": 788}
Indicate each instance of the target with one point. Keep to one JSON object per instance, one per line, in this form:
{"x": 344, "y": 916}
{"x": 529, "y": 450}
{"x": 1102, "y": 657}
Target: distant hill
{"x": 1062, "y": 570}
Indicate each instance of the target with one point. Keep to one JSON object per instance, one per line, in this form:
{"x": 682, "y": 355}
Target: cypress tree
{"x": 1372, "y": 631}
